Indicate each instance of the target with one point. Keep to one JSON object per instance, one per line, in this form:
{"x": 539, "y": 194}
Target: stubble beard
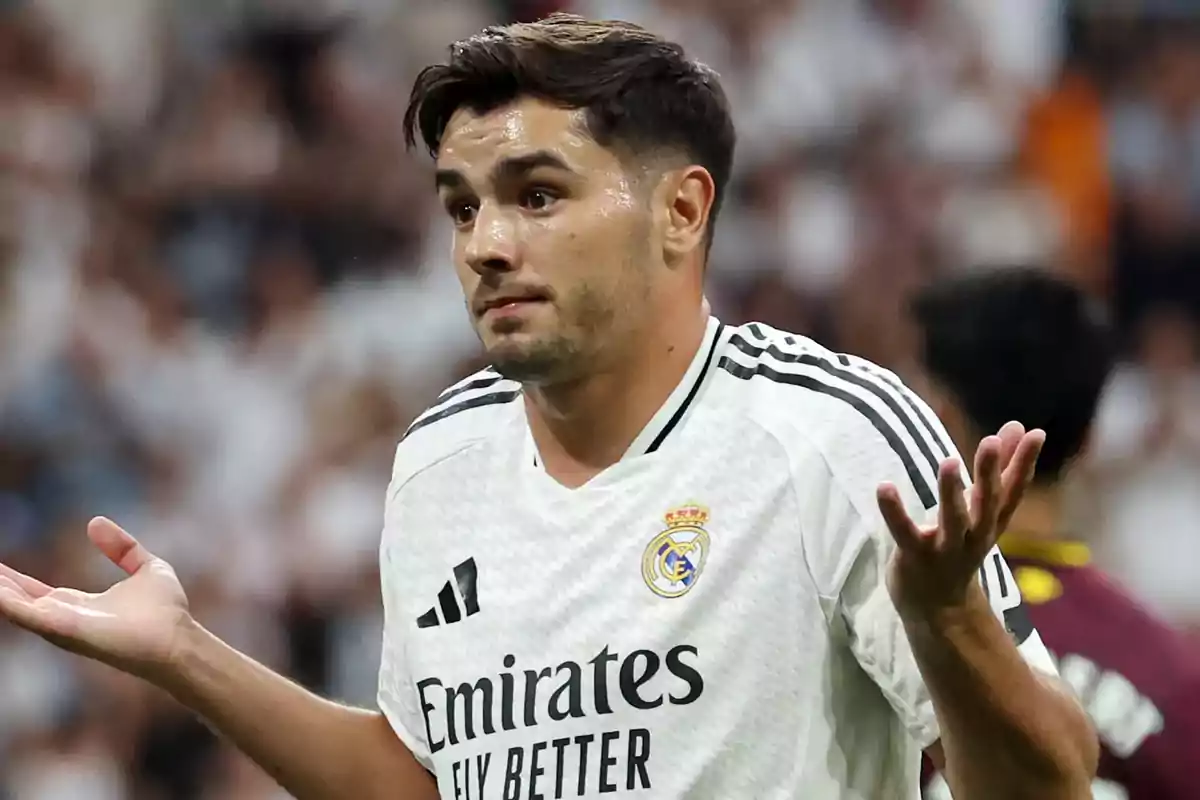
{"x": 562, "y": 355}
{"x": 536, "y": 363}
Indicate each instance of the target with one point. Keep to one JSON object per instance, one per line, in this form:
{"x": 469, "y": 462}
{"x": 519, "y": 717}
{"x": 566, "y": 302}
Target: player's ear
{"x": 688, "y": 198}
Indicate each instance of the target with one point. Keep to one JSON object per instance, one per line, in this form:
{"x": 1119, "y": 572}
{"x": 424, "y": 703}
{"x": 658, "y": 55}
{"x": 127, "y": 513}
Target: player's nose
{"x": 495, "y": 242}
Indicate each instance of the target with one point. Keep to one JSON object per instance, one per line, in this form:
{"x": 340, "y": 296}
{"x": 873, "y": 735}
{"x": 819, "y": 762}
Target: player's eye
{"x": 538, "y": 198}
{"x": 461, "y": 211}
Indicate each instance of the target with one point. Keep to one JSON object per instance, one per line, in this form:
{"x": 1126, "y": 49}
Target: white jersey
{"x": 707, "y": 618}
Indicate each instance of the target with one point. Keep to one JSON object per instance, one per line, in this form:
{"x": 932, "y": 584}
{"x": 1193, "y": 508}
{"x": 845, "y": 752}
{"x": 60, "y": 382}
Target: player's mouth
{"x": 510, "y": 304}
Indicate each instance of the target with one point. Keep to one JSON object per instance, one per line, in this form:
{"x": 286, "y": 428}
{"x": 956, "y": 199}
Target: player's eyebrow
{"x": 518, "y": 166}
{"x": 506, "y": 169}
{"x": 448, "y": 179}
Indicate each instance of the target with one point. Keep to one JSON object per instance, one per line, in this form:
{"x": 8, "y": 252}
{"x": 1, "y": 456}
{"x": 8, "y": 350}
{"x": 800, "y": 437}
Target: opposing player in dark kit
{"x": 1021, "y": 343}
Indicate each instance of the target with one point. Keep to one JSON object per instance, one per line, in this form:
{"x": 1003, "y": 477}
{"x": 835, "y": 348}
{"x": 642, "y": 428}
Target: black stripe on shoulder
{"x": 860, "y": 378}
{"x": 924, "y": 488}
{"x": 495, "y": 398}
{"x": 482, "y": 382}
{"x": 906, "y": 395}
{"x": 865, "y": 367}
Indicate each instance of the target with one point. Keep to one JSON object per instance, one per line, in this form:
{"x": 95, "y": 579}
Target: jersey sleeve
{"x": 849, "y": 546}
{"x": 397, "y": 696}
{"x": 435, "y": 436}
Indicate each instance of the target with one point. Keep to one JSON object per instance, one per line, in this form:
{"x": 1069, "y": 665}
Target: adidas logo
{"x": 464, "y": 578}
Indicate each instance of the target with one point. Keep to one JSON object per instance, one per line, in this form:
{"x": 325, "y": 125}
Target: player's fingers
{"x": 985, "y": 493}
{"x": 954, "y": 516}
{"x": 1010, "y": 435}
{"x": 30, "y": 586}
{"x": 10, "y": 585}
{"x": 70, "y": 597}
{"x": 117, "y": 545}
{"x": 18, "y": 607}
{"x": 906, "y": 533}
{"x": 1017, "y": 477}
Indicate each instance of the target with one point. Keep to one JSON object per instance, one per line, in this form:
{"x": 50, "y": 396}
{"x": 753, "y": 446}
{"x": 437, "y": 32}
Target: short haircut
{"x": 640, "y": 94}
{"x": 1018, "y": 343}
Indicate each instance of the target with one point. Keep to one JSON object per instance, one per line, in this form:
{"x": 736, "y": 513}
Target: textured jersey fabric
{"x": 707, "y": 618}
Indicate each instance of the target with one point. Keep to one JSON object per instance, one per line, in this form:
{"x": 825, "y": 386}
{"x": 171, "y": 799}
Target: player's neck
{"x": 585, "y": 426}
{"x": 1040, "y": 515}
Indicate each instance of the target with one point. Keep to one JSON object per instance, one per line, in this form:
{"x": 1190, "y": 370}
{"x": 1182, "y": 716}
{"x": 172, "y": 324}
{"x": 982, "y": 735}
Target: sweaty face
{"x": 552, "y": 238}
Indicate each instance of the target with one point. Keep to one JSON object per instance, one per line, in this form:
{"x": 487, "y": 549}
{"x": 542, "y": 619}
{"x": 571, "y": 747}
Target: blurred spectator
{"x": 1146, "y": 465}
{"x": 1155, "y": 155}
{"x": 1064, "y": 151}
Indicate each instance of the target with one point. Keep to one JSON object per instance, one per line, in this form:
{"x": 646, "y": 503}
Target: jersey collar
{"x": 682, "y": 399}
{"x": 1053, "y": 552}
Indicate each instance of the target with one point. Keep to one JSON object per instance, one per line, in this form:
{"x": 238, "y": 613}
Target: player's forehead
{"x": 474, "y": 143}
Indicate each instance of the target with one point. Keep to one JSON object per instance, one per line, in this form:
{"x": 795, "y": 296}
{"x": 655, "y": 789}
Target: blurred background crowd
{"x": 225, "y": 289}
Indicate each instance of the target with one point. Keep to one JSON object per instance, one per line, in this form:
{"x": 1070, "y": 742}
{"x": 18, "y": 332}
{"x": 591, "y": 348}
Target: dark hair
{"x": 640, "y": 93}
{"x": 1018, "y": 343}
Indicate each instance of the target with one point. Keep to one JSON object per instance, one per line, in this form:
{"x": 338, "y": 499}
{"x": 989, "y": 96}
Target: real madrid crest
{"x": 675, "y": 557}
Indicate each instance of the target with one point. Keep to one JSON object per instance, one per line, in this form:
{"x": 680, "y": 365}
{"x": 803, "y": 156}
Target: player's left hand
{"x": 934, "y": 568}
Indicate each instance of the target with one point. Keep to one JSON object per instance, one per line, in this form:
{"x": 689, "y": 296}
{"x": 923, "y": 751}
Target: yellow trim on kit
{"x": 1054, "y": 552}
{"x": 1037, "y": 585}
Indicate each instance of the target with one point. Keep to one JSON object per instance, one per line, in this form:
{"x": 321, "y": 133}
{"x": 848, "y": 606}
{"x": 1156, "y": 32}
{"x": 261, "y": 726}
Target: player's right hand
{"x": 134, "y": 626}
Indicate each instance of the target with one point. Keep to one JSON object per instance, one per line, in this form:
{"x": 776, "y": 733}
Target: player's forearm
{"x": 314, "y": 748}
{"x": 1007, "y": 731}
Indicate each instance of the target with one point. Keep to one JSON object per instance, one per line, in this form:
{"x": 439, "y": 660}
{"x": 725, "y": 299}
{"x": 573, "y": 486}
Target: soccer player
{"x": 645, "y": 552}
{"x": 1021, "y": 343}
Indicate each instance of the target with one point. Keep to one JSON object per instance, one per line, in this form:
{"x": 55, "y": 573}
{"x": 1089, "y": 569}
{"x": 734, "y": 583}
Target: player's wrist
{"x": 175, "y": 669}
{"x": 946, "y": 615}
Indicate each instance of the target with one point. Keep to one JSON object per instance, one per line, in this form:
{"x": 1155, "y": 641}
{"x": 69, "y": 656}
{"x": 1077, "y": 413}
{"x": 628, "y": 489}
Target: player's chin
{"x": 527, "y": 358}
{"x": 510, "y": 334}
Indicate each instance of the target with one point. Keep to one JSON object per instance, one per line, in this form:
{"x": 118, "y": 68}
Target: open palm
{"x": 132, "y": 626}
{"x": 934, "y": 567}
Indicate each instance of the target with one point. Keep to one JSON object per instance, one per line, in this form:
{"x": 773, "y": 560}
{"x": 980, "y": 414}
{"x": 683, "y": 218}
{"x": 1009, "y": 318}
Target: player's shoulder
{"x": 862, "y": 418}
{"x": 1093, "y": 593}
{"x": 464, "y": 415}
{"x": 1065, "y": 577}
{"x": 1079, "y": 594}
{"x": 771, "y": 365}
